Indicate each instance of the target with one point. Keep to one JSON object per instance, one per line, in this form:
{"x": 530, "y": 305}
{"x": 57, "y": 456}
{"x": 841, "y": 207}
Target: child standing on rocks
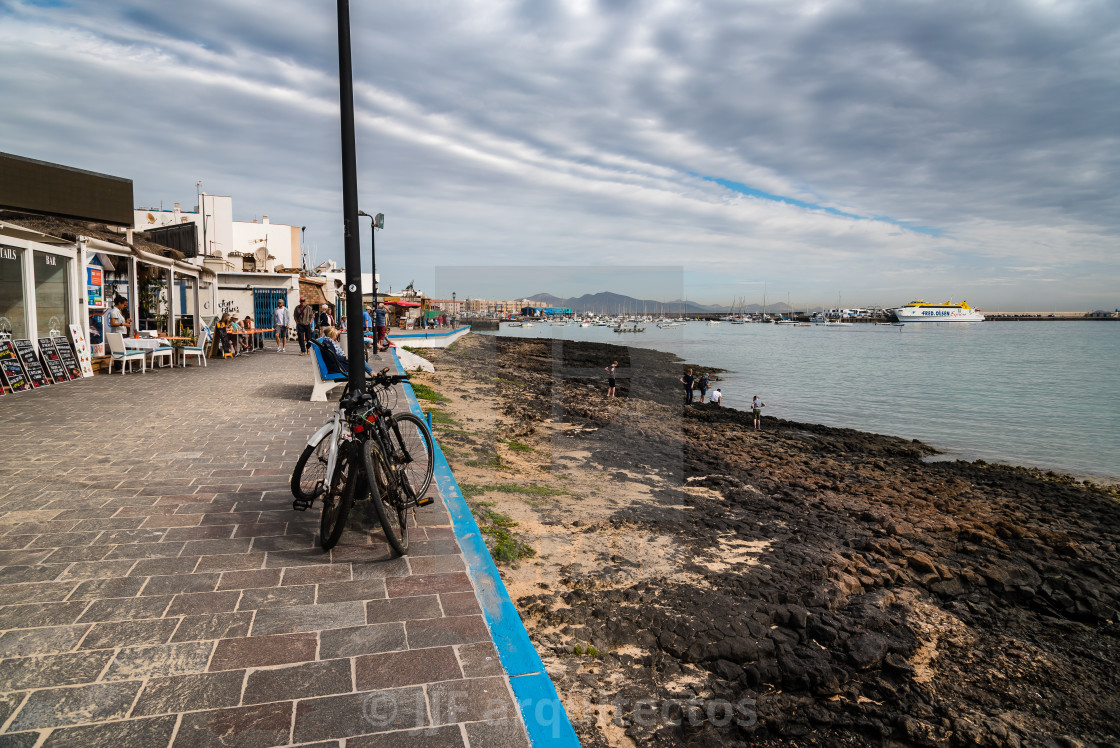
{"x": 610, "y": 378}
{"x": 757, "y": 406}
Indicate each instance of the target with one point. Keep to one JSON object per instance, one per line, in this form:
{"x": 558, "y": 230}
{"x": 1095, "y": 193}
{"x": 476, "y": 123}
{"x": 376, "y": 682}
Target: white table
{"x": 149, "y": 344}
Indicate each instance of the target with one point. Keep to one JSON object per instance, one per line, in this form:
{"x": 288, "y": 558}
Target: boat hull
{"x": 938, "y": 315}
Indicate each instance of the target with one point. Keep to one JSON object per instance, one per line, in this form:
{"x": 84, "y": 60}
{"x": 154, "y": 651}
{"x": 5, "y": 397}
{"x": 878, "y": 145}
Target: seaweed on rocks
{"x": 834, "y": 588}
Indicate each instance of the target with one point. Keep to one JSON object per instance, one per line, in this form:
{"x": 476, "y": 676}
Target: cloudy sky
{"x": 872, "y": 151}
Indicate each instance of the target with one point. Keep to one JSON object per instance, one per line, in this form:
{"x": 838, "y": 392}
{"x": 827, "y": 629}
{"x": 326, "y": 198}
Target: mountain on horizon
{"x": 607, "y": 302}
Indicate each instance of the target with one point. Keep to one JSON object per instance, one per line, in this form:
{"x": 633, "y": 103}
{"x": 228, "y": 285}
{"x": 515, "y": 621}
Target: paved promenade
{"x": 157, "y": 589}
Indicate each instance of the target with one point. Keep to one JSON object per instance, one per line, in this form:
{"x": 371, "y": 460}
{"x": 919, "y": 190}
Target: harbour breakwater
{"x": 801, "y": 585}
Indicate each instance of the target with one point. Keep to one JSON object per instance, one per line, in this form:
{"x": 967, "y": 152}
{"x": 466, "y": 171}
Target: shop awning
{"x": 312, "y": 293}
{"x": 402, "y": 303}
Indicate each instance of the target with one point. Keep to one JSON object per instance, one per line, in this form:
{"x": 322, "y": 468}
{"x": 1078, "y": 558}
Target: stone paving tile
{"x": 164, "y": 659}
{"x": 308, "y": 618}
{"x": 408, "y": 668}
{"x": 299, "y": 681}
{"x": 27, "y": 642}
{"x": 52, "y": 670}
{"x": 448, "y": 736}
{"x": 190, "y": 692}
{"x": 171, "y": 593}
{"x": 360, "y": 713}
{"x": 55, "y": 707}
{"x": 133, "y": 732}
{"x": 246, "y": 727}
{"x": 129, "y": 633}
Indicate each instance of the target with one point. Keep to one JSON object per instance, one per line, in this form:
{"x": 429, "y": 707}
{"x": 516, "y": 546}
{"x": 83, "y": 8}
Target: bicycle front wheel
{"x": 386, "y": 498}
{"x": 310, "y": 473}
{"x": 413, "y": 452}
{"x": 338, "y": 497}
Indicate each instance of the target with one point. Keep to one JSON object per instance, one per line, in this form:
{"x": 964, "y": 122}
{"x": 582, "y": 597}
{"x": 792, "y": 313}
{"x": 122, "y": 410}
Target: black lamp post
{"x": 375, "y": 222}
{"x": 355, "y": 342}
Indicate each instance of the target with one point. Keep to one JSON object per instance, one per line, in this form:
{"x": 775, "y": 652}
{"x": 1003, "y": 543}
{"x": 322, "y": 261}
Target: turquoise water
{"x": 1042, "y": 394}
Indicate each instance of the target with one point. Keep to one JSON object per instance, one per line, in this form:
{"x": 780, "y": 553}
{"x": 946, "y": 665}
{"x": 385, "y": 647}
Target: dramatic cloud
{"x": 871, "y": 148}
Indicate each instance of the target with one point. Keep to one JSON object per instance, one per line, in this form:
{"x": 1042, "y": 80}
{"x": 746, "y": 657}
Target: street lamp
{"x": 375, "y": 222}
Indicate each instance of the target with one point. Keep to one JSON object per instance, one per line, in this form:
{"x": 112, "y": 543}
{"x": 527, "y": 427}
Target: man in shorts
{"x": 610, "y": 378}
{"x": 281, "y": 320}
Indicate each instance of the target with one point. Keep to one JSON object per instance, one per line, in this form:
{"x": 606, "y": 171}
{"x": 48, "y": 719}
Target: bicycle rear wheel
{"x": 386, "y": 497}
{"x": 338, "y": 497}
{"x": 413, "y": 451}
{"x": 311, "y": 470}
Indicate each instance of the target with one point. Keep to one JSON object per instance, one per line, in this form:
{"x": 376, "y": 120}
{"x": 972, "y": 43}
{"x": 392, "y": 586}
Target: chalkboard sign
{"x": 69, "y": 360}
{"x": 11, "y": 371}
{"x": 52, "y": 360}
{"x": 30, "y": 360}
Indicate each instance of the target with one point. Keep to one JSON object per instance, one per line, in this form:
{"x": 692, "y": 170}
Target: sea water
{"x": 1041, "y": 394}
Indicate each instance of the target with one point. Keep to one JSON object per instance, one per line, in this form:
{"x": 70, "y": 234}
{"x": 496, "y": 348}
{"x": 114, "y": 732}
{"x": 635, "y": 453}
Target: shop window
{"x": 52, "y": 297}
{"x": 153, "y": 305}
{"x": 13, "y": 309}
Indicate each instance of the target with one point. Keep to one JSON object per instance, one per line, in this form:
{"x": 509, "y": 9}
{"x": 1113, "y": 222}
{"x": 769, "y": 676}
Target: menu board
{"x": 30, "y": 361}
{"x": 11, "y": 371}
{"x": 69, "y": 360}
{"x": 82, "y": 349}
{"x": 52, "y": 360}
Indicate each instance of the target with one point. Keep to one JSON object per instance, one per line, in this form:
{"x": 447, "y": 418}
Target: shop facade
{"x": 38, "y": 284}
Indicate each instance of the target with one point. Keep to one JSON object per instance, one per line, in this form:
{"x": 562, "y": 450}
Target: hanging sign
{"x": 82, "y": 348}
{"x": 52, "y": 361}
{"x": 69, "y": 360}
{"x": 11, "y": 371}
{"x": 26, "y": 352}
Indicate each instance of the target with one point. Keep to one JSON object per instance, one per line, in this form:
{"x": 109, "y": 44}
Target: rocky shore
{"x": 694, "y": 582}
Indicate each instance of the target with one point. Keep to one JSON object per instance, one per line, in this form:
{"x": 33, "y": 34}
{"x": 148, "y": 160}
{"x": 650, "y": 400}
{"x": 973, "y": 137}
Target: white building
{"x": 257, "y": 262}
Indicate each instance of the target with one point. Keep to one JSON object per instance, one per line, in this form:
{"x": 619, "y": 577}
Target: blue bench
{"x": 325, "y": 381}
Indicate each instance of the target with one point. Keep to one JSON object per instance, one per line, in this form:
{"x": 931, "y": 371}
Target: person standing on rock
{"x": 610, "y": 378}
{"x": 703, "y": 384}
{"x": 756, "y": 406}
{"x": 688, "y": 380}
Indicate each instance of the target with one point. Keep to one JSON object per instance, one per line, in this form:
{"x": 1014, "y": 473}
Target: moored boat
{"x": 921, "y": 311}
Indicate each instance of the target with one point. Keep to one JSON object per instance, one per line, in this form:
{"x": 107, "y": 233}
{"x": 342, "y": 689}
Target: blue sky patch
{"x": 743, "y": 189}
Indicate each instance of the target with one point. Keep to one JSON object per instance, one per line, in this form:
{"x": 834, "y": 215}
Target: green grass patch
{"x": 503, "y": 380}
{"x": 495, "y": 526}
{"x": 424, "y": 392}
{"x": 470, "y": 490}
{"x": 530, "y": 490}
{"x": 442, "y": 417}
{"x": 519, "y": 447}
{"x": 488, "y": 461}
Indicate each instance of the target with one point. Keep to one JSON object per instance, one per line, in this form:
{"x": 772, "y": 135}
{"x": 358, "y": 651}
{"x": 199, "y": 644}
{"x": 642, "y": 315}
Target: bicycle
{"x": 399, "y": 457}
{"x": 355, "y": 443}
{"x": 316, "y": 461}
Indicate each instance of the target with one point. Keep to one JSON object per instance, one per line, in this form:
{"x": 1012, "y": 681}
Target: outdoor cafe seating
{"x": 119, "y": 353}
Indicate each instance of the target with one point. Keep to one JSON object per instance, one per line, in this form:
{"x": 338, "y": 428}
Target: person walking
{"x": 716, "y": 397}
{"x": 703, "y": 384}
{"x": 281, "y": 320}
{"x": 367, "y": 320}
{"x": 688, "y": 380}
{"x": 303, "y": 316}
{"x": 381, "y": 322}
{"x": 325, "y": 318}
{"x": 756, "y": 407}
{"x": 610, "y": 378}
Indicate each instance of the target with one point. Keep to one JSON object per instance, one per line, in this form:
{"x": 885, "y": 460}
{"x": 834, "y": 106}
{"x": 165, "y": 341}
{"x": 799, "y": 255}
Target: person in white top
{"x": 281, "y": 320}
{"x": 716, "y": 397}
{"x": 118, "y": 322}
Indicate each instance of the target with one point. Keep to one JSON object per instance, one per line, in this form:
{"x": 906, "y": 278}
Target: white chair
{"x": 197, "y": 350}
{"x": 124, "y": 355}
{"x": 163, "y": 352}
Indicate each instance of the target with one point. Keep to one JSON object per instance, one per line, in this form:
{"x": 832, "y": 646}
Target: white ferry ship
{"x": 920, "y": 311}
